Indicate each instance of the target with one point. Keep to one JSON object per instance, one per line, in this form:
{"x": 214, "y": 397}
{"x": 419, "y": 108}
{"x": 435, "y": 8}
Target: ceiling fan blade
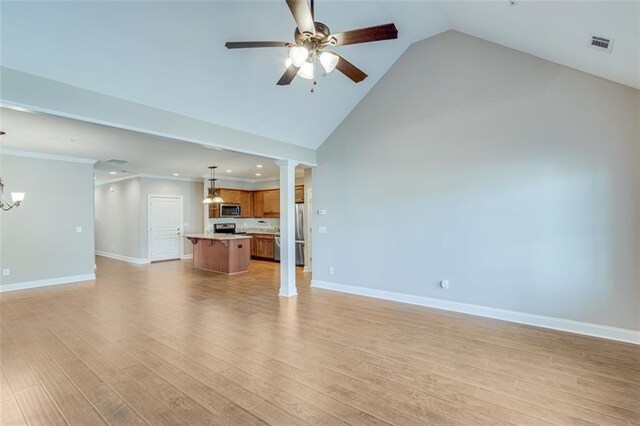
{"x": 288, "y": 75}
{"x": 248, "y": 44}
{"x": 366, "y": 35}
{"x": 350, "y": 70}
{"x": 302, "y": 15}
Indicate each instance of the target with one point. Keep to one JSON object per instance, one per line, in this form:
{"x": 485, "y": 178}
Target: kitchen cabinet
{"x": 246, "y": 202}
{"x": 266, "y": 204}
{"x": 300, "y": 194}
{"x": 234, "y": 196}
{"x": 258, "y": 204}
{"x": 231, "y": 196}
{"x": 271, "y": 208}
{"x": 262, "y": 246}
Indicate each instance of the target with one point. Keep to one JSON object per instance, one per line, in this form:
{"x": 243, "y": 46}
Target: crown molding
{"x": 183, "y": 179}
{"x": 241, "y": 179}
{"x": 44, "y": 156}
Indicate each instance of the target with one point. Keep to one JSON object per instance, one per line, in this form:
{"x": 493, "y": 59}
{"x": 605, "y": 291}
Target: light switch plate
{"x": 322, "y": 229}
{"x": 79, "y": 229}
{"x": 6, "y": 272}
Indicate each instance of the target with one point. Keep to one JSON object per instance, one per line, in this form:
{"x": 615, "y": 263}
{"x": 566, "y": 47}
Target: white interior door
{"x": 165, "y": 227}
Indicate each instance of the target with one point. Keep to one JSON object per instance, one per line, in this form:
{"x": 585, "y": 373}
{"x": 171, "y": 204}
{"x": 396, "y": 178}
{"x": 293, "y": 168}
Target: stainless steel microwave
{"x": 230, "y": 210}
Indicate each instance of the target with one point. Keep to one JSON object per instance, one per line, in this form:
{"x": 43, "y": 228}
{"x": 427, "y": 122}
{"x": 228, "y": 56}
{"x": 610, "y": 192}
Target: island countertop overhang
{"x": 218, "y": 237}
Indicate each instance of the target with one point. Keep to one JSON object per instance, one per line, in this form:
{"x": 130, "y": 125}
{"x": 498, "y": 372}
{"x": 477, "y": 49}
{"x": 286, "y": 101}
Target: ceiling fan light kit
{"x": 311, "y": 38}
{"x": 298, "y": 55}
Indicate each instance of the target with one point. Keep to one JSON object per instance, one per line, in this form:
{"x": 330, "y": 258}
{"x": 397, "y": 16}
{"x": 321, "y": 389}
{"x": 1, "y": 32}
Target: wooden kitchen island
{"x": 223, "y": 253}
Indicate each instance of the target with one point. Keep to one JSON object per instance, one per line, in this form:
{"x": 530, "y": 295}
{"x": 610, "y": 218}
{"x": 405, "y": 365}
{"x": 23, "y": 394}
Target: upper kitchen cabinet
{"x": 231, "y": 196}
{"x": 300, "y": 194}
{"x": 271, "y": 203}
{"x": 246, "y": 202}
{"x": 234, "y": 196}
{"x": 258, "y": 204}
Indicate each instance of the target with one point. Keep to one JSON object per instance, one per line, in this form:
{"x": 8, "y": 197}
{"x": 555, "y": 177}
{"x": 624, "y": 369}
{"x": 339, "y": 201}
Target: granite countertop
{"x": 273, "y": 231}
{"x": 218, "y": 236}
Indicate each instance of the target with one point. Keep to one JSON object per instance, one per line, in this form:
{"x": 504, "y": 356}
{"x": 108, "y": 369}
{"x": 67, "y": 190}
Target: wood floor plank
{"x": 10, "y": 413}
{"x": 38, "y": 408}
{"x": 164, "y": 344}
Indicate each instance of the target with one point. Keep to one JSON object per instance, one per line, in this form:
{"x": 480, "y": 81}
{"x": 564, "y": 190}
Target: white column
{"x": 287, "y": 228}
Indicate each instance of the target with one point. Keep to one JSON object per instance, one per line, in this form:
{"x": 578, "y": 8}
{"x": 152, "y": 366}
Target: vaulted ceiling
{"x": 171, "y": 55}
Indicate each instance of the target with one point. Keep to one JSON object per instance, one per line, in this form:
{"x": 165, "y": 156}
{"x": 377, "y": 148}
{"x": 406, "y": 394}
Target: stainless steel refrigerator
{"x": 300, "y": 246}
{"x": 300, "y": 234}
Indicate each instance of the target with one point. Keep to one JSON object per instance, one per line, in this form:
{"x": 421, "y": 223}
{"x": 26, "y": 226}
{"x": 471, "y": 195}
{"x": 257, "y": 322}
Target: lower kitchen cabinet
{"x": 262, "y": 246}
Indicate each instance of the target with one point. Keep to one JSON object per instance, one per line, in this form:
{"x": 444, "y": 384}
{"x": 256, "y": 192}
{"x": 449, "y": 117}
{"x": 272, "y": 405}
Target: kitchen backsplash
{"x": 246, "y": 223}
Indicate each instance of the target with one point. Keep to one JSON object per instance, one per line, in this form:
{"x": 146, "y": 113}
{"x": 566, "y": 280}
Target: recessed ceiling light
{"x": 259, "y": 166}
{"x": 229, "y": 171}
{"x": 112, "y": 173}
{"x": 176, "y": 174}
{"x": 258, "y": 174}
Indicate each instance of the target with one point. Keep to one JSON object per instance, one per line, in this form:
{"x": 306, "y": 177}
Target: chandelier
{"x": 16, "y": 197}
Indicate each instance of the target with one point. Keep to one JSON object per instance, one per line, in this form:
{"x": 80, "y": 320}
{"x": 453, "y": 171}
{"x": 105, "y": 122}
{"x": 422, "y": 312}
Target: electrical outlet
{"x": 322, "y": 212}
{"x": 6, "y": 272}
{"x": 331, "y": 269}
{"x": 322, "y": 229}
{"x": 444, "y": 284}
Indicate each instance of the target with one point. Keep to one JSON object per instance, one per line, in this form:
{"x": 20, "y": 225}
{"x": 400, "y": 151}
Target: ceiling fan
{"x": 311, "y": 40}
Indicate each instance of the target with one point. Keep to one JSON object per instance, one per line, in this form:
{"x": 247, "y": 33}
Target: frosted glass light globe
{"x": 306, "y": 70}
{"x": 329, "y": 61}
{"x": 298, "y": 55}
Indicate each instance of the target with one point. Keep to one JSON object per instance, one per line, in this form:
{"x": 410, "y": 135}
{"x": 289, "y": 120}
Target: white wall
{"x": 39, "y": 239}
{"x": 122, "y": 213}
{"x": 512, "y": 177}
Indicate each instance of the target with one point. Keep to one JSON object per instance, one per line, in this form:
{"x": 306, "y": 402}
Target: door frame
{"x": 180, "y": 215}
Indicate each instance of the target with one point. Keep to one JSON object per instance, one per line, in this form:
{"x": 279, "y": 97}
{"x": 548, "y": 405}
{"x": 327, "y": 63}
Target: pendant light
{"x": 212, "y": 195}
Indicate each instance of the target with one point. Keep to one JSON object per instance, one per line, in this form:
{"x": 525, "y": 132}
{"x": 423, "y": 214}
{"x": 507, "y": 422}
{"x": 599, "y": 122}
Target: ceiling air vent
{"x": 603, "y": 44}
{"x": 114, "y": 161}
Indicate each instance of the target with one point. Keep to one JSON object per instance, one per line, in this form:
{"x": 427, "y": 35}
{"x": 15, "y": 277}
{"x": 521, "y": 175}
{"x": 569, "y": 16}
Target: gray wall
{"x": 514, "y": 178}
{"x": 39, "y": 239}
{"x": 122, "y": 213}
{"x": 118, "y": 218}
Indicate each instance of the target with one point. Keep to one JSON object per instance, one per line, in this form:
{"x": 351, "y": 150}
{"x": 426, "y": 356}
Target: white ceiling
{"x": 146, "y": 154}
{"x": 559, "y": 31}
{"x": 171, "y": 54}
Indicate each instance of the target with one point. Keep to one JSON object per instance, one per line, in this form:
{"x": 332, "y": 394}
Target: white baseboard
{"x": 45, "y": 283}
{"x": 136, "y": 260}
{"x": 588, "y": 329}
{"x": 186, "y": 256}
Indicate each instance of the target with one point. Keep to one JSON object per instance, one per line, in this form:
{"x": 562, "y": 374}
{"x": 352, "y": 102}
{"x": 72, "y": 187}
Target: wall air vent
{"x": 114, "y": 161}
{"x": 602, "y": 44}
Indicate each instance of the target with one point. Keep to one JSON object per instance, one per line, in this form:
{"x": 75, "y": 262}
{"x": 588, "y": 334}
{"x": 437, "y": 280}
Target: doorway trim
{"x": 180, "y": 215}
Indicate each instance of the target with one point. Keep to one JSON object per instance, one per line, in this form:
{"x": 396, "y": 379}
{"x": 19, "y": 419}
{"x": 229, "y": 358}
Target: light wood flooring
{"x": 163, "y": 344}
